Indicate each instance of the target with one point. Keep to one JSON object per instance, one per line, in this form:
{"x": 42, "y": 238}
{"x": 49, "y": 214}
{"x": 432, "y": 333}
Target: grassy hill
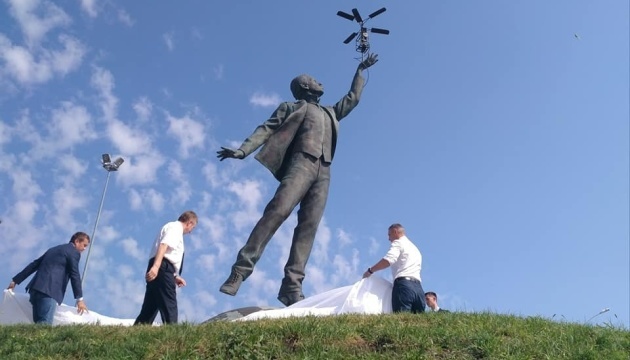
{"x": 391, "y": 336}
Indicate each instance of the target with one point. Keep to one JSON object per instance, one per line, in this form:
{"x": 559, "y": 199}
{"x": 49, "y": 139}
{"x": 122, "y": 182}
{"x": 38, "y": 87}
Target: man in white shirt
{"x": 164, "y": 270}
{"x": 406, "y": 262}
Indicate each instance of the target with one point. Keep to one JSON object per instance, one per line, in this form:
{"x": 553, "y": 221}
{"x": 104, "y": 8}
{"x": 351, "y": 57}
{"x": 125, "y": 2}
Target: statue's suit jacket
{"x": 278, "y": 133}
{"x": 55, "y": 268}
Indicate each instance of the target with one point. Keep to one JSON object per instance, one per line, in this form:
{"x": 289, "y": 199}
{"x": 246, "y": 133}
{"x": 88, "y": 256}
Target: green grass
{"x": 391, "y": 336}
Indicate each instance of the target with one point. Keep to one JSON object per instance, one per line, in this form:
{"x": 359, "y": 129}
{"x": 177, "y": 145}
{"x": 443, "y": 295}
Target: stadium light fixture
{"x": 604, "y": 310}
{"x": 110, "y": 166}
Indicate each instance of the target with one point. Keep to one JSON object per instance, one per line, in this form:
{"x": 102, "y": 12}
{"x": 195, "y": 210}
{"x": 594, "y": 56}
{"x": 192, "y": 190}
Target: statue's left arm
{"x": 344, "y": 106}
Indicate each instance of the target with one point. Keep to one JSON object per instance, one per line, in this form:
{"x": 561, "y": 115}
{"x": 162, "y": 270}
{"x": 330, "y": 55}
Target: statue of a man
{"x": 299, "y": 144}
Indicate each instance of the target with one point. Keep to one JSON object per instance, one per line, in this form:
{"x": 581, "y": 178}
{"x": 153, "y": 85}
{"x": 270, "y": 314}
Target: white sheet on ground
{"x": 16, "y": 309}
{"x": 368, "y": 296}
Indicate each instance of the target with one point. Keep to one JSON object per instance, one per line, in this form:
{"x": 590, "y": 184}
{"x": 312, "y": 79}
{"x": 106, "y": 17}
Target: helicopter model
{"x": 362, "y": 42}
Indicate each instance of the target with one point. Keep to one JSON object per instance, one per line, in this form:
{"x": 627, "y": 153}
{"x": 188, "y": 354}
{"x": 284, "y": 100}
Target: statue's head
{"x": 304, "y": 87}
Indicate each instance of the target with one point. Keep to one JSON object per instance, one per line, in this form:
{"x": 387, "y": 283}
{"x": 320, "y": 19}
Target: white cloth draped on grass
{"x": 16, "y": 309}
{"x": 367, "y": 296}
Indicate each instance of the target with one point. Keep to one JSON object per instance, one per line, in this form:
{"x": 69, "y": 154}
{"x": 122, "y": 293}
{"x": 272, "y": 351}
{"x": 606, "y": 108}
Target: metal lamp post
{"x": 605, "y": 310}
{"x": 109, "y": 166}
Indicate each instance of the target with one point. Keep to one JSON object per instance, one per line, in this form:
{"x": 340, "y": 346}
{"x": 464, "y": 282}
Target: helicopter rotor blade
{"x": 380, "y": 31}
{"x": 349, "y": 38}
{"x": 376, "y": 13}
{"x": 345, "y": 15}
{"x": 357, "y": 16}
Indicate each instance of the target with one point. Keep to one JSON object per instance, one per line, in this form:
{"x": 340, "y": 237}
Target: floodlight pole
{"x": 599, "y": 313}
{"x": 109, "y": 167}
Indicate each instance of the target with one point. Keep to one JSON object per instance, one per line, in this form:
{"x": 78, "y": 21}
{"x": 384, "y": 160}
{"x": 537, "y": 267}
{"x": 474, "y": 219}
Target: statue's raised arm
{"x": 369, "y": 61}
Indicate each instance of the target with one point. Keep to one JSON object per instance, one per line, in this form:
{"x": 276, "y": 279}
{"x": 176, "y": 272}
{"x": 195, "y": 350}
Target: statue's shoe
{"x": 232, "y": 284}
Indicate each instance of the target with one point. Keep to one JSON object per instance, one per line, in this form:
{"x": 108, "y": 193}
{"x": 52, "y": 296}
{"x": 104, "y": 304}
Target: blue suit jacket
{"x": 55, "y": 268}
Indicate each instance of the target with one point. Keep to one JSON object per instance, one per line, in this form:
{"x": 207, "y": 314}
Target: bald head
{"x": 305, "y": 87}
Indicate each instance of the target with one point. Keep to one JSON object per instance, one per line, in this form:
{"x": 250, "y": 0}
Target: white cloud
{"x": 189, "y": 132}
{"x": 123, "y": 291}
{"x": 63, "y": 62}
{"x": 211, "y": 174}
{"x": 169, "y": 40}
{"x": 146, "y": 198}
{"x": 26, "y": 209}
{"x": 344, "y": 269}
{"x": 166, "y": 93}
{"x": 106, "y": 233}
{"x": 317, "y": 279}
{"x": 66, "y": 200}
{"x": 215, "y": 227}
{"x": 135, "y": 200}
{"x": 20, "y": 65}
{"x": 176, "y": 171}
{"x": 143, "y": 108}
{"x": 249, "y": 196}
{"x": 125, "y": 18}
{"x": 130, "y": 247}
{"x": 207, "y": 262}
{"x": 142, "y": 160}
{"x": 155, "y": 200}
{"x": 182, "y": 192}
{"x": 29, "y": 67}
{"x": 89, "y": 6}
{"x": 24, "y": 186}
{"x": 71, "y": 125}
{"x": 140, "y": 169}
{"x": 374, "y": 246}
{"x": 248, "y": 192}
{"x": 130, "y": 141}
{"x": 194, "y": 307}
{"x": 322, "y": 240}
{"x": 103, "y": 81}
{"x": 35, "y": 27}
{"x": 72, "y": 167}
{"x": 343, "y": 238}
{"x": 265, "y": 100}
{"x": 218, "y": 71}
{"x": 196, "y": 33}
{"x": 6, "y": 132}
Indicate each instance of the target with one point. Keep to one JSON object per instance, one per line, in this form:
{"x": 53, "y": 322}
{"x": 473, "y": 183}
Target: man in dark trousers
{"x": 405, "y": 261}
{"x": 299, "y": 144}
{"x": 53, "y": 270}
{"x": 164, "y": 270}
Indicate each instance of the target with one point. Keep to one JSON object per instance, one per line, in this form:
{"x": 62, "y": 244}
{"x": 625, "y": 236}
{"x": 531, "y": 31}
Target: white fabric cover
{"x": 368, "y": 296}
{"x": 16, "y": 309}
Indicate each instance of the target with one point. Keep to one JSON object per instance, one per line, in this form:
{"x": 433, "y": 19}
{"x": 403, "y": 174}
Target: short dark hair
{"x": 431, "y": 293}
{"x": 397, "y": 227}
{"x": 79, "y": 236}
{"x": 186, "y": 216}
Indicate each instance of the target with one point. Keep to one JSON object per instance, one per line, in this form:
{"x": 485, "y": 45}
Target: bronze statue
{"x": 298, "y": 147}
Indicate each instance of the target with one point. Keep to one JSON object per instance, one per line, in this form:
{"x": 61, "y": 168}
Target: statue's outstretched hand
{"x": 369, "y": 61}
{"x": 225, "y": 153}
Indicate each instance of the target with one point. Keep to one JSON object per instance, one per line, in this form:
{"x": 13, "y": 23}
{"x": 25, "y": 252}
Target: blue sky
{"x": 492, "y": 132}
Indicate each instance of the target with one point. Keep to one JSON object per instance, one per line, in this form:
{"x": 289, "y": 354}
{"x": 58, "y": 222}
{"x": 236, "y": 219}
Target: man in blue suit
{"x": 54, "y": 269}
